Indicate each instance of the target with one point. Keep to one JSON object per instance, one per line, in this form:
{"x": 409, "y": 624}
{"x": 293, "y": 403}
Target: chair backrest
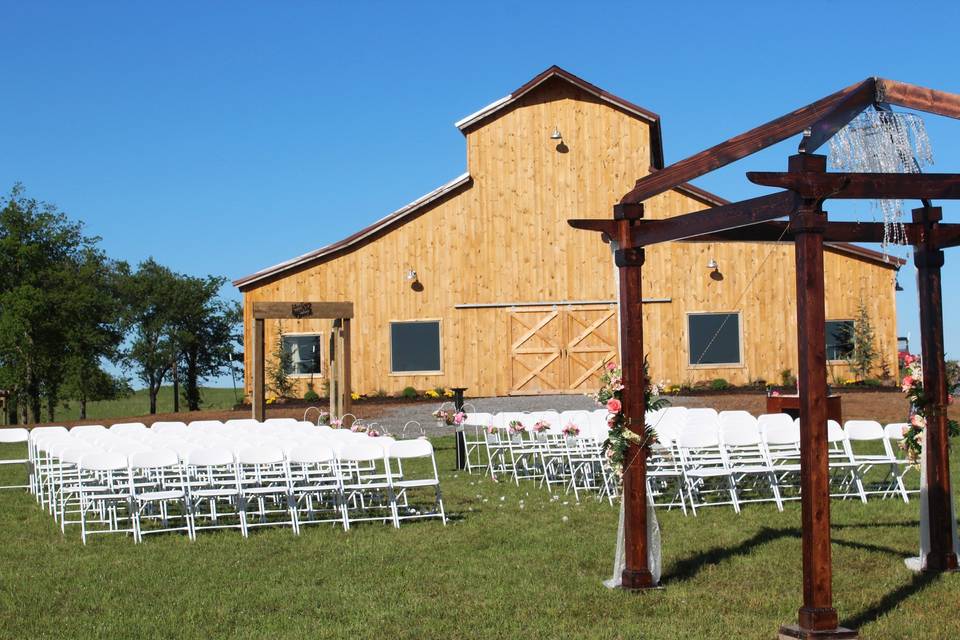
{"x": 738, "y": 434}
{"x": 86, "y": 429}
{"x": 773, "y": 420}
{"x": 361, "y": 451}
{"x": 127, "y": 427}
{"x": 38, "y": 432}
{"x": 835, "y": 432}
{"x": 203, "y": 424}
{"x": 280, "y": 421}
{"x": 168, "y": 427}
{"x": 411, "y": 449}
{"x": 478, "y": 419}
{"x": 210, "y": 457}
{"x": 671, "y": 417}
{"x": 896, "y": 430}
{"x": 863, "y": 430}
{"x": 107, "y": 461}
{"x": 701, "y": 417}
{"x": 577, "y": 416}
{"x": 694, "y": 437}
{"x": 18, "y": 434}
{"x": 781, "y": 432}
{"x": 260, "y": 455}
{"x": 738, "y": 417}
{"x": 153, "y": 459}
{"x": 311, "y": 453}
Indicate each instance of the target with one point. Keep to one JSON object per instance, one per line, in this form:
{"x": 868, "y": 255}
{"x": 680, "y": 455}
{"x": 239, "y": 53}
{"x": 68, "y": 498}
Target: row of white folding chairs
{"x": 507, "y": 443}
{"x": 357, "y": 480}
{"x": 53, "y": 443}
{"x": 766, "y": 451}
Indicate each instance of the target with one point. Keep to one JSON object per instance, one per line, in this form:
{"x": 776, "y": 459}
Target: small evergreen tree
{"x": 279, "y": 374}
{"x": 863, "y": 354}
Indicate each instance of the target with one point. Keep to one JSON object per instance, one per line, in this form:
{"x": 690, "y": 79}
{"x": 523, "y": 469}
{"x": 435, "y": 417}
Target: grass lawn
{"x": 138, "y": 404}
{"x": 512, "y": 564}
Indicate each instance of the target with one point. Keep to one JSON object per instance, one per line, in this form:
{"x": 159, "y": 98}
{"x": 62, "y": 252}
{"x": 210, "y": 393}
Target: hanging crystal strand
{"x": 883, "y": 142}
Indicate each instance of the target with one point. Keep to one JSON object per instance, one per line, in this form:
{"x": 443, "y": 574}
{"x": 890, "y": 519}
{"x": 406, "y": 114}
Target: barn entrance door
{"x": 560, "y": 349}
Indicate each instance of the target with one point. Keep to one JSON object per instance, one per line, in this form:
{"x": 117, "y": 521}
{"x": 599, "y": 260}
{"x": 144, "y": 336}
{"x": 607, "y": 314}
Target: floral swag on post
{"x": 920, "y": 408}
{"x": 620, "y": 436}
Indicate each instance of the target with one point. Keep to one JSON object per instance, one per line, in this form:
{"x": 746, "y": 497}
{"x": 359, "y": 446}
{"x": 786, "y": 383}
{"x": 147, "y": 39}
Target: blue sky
{"x": 223, "y": 137}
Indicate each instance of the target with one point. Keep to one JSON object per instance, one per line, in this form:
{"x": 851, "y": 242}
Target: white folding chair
{"x": 214, "y": 490}
{"x": 367, "y": 489}
{"x": 880, "y": 458}
{"x": 895, "y": 433}
{"x": 157, "y": 483}
{"x": 11, "y": 438}
{"x": 405, "y": 484}
{"x": 104, "y": 487}
{"x": 316, "y": 484}
{"x": 475, "y": 438}
{"x": 749, "y": 466}
{"x": 264, "y": 482}
{"x": 705, "y": 469}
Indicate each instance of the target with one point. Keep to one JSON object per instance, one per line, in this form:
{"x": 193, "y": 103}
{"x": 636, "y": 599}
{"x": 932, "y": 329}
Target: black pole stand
{"x": 461, "y": 436}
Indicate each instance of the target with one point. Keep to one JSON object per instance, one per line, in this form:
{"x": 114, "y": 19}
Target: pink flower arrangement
{"x": 515, "y": 427}
{"x": 373, "y": 433}
{"x": 614, "y": 405}
{"x": 491, "y": 429}
{"x": 775, "y": 393}
{"x": 611, "y": 366}
{"x": 358, "y": 428}
{"x": 459, "y": 417}
{"x": 571, "y": 430}
{"x": 541, "y": 426}
{"x": 336, "y": 423}
{"x": 907, "y": 383}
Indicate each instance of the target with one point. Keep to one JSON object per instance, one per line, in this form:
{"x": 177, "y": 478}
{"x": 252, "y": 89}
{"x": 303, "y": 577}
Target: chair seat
{"x": 707, "y": 473}
{"x": 160, "y": 495}
{"x": 425, "y": 482}
{"x": 750, "y": 469}
{"x": 213, "y": 493}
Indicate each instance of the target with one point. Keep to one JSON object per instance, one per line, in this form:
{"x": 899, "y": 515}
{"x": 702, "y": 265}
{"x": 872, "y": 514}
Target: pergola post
{"x": 259, "y": 384}
{"x": 817, "y": 617}
{"x": 929, "y": 260}
{"x": 629, "y": 260}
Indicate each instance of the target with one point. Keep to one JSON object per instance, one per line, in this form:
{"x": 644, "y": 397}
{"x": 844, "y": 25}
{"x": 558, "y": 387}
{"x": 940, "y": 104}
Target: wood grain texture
{"x": 505, "y": 238}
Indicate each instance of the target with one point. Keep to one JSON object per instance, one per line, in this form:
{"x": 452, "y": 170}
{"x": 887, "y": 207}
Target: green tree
{"x": 279, "y": 371}
{"x": 150, "y": 295}
{"x": 207, "y": 330}
{"x": 863, "y": 353}
{"x": 41, "y": 254}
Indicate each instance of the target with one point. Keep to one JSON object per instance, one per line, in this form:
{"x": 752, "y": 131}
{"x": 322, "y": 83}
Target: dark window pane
{"x": 714, "y": 338}
{"x": 304, "y": 353}
{"x": 414, "y": 346}
{"x": 839, "y": 339}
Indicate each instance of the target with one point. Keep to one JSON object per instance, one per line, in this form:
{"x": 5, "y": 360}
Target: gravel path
{"x": 393, "y": 418}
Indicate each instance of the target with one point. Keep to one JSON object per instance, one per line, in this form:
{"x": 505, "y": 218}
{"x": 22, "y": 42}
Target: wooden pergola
{"x": 805, "y": 186}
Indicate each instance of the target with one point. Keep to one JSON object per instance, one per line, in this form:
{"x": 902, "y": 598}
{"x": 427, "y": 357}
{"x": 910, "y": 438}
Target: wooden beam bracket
{"x": 632, "y": 257}
{"x": 628, "y": 211}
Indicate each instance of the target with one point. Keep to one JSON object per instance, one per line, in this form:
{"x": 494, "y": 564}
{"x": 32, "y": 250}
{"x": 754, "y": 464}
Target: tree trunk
{"x": 51, "y": 408}
{"x": 176, "y": 388}
{"x": 154, "y": 390}
{"x": 83, "y": 407}
{"x": 192, "y": 381}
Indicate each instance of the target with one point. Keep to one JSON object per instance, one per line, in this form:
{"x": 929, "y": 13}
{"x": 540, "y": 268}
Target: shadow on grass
{"x": 688, "y": 568}
{"x": 890, "y": 601}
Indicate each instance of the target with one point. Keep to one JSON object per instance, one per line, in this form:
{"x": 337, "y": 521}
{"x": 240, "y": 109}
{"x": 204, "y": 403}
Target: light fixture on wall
{"x": 413, "y": 279}
{"x": 714, "y": 270}
{"x": 556, "y": 134}
{"x": 411, "y": 275}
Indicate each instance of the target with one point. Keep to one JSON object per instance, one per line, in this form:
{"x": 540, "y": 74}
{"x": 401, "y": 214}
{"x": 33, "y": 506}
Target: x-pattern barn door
{"x": 560, "y": 349}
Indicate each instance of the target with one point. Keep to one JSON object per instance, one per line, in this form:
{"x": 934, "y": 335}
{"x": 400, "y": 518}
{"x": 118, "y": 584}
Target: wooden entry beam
{"x": 263, "y": 311}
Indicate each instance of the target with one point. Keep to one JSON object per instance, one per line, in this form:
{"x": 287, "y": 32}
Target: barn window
{"x": 839, "y": 339}
{"x": 415, "y": 347}
{"x": 714, "y": 338}
{"x": 304, "y": 350}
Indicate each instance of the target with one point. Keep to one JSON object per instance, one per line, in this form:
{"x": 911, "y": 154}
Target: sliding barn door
{"x": 590, "y": 343}
{"x": 560, "y": 349}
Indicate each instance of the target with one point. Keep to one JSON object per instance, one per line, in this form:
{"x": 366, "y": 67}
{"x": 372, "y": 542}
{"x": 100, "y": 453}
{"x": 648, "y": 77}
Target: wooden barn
{"x": 482, "y": 284}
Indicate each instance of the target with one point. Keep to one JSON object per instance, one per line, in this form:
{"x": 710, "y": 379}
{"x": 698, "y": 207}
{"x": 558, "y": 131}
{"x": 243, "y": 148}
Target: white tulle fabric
{"x": 916, "y": 564}
{"x": 653, "y": 549}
